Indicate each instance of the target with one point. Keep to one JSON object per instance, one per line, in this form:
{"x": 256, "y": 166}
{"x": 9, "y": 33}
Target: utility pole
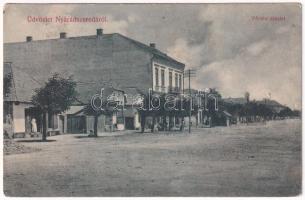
{"x": 190, "y": 111}
{"x": 190, "y": 73}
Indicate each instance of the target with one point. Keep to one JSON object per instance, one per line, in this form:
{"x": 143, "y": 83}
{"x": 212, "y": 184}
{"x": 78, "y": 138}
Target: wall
{"x": 131, "y": 65}
{"x": 19, "y": 117}
{"x": 100, "y": 126}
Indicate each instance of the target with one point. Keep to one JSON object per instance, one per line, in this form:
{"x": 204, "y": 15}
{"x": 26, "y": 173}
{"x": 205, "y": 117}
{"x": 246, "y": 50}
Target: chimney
{"x": 29, "y": 38}
{"x": 62, "y": 35}
{"x": 99, "y": 32}
{"x": 153, "y": 45}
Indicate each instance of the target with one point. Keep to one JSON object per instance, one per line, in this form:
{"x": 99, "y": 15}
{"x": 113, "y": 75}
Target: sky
{"x": 235, "y": 48}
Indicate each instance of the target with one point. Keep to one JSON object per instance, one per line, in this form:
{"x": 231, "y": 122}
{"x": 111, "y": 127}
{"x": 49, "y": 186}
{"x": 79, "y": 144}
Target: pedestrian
{"x": 34, "y": 125}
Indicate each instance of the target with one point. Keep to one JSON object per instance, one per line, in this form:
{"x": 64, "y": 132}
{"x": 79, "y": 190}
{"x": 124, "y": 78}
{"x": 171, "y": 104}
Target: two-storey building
{"x": 95, "y": 62}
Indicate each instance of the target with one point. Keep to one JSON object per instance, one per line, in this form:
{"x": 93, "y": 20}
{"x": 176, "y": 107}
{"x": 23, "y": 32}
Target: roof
{"x": 239, "y": 100}
{"x": 154, "y": 51}
{"x": 143, "y": 46}
{"x": 7, "y": 71}
{"x": 270, "y": 102}
{"x": 20, "y": 88}
{"x": 193, "y": 91}
{"x": 56, "y": 39}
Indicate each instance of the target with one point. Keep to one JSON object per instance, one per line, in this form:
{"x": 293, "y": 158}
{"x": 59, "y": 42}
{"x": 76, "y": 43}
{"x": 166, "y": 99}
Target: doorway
{"x": 32, "y": 113}
{"x": 129, "y": 123}
{"x": 76, "y": 124}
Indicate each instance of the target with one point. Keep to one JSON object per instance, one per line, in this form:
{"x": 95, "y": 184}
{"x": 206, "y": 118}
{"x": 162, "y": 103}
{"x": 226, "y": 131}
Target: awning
{"x": 227, "y": 114}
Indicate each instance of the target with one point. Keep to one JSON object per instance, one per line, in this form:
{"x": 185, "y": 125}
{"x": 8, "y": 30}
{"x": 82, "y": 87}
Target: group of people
{"x": 164, "y": 126}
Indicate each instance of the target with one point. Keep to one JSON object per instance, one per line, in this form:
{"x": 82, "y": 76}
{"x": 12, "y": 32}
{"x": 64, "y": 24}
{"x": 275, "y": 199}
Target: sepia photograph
{"x": 152, "y": 100}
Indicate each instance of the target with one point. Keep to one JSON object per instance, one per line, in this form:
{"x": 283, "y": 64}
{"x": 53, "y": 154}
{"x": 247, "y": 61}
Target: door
{"x": 76, "y": 124}
{"x": 61, "y": 125}
{"x": 32, "y": 113}
{"x": 129, "y": 123}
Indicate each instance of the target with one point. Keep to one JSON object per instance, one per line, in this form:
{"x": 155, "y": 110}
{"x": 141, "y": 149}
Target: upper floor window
{"x": 162, "y": 78}
{"x": 157, "y": 76}
{"x": 170, "y": 79}
{"x": 176, "y": 80}
{"x": 180, "y": 81}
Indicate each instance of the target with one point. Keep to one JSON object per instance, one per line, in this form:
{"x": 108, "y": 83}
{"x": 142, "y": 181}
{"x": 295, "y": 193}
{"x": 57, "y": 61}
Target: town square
{"x": 152, "y": 100}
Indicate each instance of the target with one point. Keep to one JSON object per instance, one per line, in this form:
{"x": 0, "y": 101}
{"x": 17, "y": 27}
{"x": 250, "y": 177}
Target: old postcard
{"x": 152, "y": 100}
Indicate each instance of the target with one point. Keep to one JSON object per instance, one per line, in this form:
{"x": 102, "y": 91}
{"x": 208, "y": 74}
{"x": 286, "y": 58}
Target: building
{"x": 96, "y": 61}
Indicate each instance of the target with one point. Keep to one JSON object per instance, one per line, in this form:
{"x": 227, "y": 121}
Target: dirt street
{"x": 254, "y": 160}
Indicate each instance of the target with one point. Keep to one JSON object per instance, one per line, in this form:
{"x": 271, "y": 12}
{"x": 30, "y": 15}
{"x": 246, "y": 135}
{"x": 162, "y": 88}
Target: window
{"x": 162, "y": 78}
{"x": 176, "y": 80}
{"x": 180, "y": 81}
{"x": 170, "y": 79}
{"x": 157, "y": 76}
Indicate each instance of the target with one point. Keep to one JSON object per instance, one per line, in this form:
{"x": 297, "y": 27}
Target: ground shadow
{"x": 134, "y": 134}
{"x": 35, "y": 140}
{"x": 105, "y": 136}
{"x": 83, "y": 136}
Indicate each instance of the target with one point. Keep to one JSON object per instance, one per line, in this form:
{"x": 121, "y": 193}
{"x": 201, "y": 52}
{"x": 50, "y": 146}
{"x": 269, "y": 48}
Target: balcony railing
{"x": 160, "y": 88}
{"x": 170, "y": 89}
{"x": 174, "y": 89}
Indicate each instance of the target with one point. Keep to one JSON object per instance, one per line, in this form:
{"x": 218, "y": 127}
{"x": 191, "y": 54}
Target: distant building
{"x": 244, "y": 113}
{"x": 237, "y": 100}
{"x": 97, "y": 61}
{"x": 275, "y": 106}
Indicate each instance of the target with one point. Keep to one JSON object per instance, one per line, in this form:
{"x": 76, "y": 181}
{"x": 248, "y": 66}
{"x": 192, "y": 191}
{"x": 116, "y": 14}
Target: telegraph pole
{"x": 190, "y": 111}
{"x": 190, "y": 73}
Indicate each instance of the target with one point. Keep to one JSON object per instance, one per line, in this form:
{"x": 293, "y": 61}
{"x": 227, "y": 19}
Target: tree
{"x": 297, "y": 113}
{"x": 104, "y": 104}
{"x": 56, "y": 96}
{"x": 264, "y": 111}
{"x": 143, "y": 109}
{"x": 166, "y": 105}
{"x": 104, "y": 109}
{"x": 286, "y": 112}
